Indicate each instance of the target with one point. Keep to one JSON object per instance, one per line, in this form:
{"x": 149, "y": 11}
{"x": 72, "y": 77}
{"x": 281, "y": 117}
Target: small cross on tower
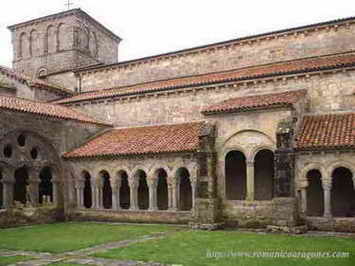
{"x": 68, "y": 4}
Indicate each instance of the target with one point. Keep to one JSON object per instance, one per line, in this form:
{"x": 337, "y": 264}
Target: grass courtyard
{"x": 179, "y": 246}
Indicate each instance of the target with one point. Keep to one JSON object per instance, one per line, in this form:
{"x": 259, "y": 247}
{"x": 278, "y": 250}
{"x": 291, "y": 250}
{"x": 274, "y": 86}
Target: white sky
{"x": 150, "y": 27}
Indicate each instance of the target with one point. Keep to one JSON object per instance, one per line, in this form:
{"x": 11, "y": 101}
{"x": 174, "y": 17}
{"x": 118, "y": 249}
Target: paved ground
{"x": 83, "y": 256}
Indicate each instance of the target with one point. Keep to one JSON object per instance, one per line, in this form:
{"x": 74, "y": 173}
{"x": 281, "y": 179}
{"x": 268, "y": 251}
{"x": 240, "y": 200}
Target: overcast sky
{"x": 150, "y": 27}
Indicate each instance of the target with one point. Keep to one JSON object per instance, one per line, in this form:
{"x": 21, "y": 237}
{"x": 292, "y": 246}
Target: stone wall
{"x": 290, "y": 45}
{"x": 65, "y": 79}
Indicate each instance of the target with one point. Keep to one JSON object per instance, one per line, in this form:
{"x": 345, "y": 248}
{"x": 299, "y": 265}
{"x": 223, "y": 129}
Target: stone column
{"x": 170, "y": 196}
{"x": 8, "y": 193}
{"x": 34, "y": 190}
{"x": 193, "y": 187}
{"x": 303, "y": 184}
{"x": 176, "y": 195}
{"x": 56, "y": 185}
{"x": 250, "y": 180}
{"x": 94, "y": 204}
{"x": 99, "y": 196}
{"x": 116, "y": 196}
{"x": 80, "y": 193}
{"x": 153, "y": 202}
{"x": 133, "y": 185}
{"x": 327, "y": 188}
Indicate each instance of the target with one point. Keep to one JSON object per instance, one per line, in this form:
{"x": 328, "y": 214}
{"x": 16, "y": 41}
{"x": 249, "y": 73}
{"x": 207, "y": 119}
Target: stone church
{"x": 249, "y": 132}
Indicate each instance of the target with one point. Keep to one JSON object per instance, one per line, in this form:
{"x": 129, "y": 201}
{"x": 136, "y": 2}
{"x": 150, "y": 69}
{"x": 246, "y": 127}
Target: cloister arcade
{"x": 29, "y": 170}
{"x": 138, "y": 189}
{"x": 249, "y": 179}
{"x": 327, "y": 191}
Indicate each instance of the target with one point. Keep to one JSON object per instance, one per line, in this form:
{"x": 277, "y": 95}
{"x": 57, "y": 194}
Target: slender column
{"x": 170, "y": 196}
{"x": 34, "y": 191}
{"x": 80, "y": 193}
{"x": 8, "y": 193}
{"x": 99, "y": 196}
{"x": 327, "y": 187}
{"x": 250, "y": 180}
{"x": 55, "y": 191}
{"x": 303, "y": 190}
{"x": 134, "y": 195}
{"x": 176, "y": 195}
{"x": 153, "y": 202}
{"x": 93, "y": 197}
{"x": 193, "y": 187}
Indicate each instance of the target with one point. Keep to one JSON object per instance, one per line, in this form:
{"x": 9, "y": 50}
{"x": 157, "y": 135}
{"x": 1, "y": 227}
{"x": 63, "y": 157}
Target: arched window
{"x": 106, "y": 190}
{"x": 315, "y": 194}
{"x": 185, "y": 190}
{"x": 45, "y": 186}
{"x": 35, "y": 44}
{"x": 236, "y": 175}
{"x": 50, "y": 40}
{"x": 162, "y": 190}
{"x": 23, "y": 46}
{"x": 263, "y": 175}
{"x": 124, "y": 190}
{"x": 61, "y": 37}
{"x": 342, "y": 193}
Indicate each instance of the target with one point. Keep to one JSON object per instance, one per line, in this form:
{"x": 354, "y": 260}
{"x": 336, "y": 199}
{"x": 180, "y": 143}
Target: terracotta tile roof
{"x": 142, "y": 140}
{"x": 289, "y": 67}
{"x": 331, "y": 131}
{"x": 45, "y": 109}
{"x": 256, "y": 102}
{"x": 34, "y": 83}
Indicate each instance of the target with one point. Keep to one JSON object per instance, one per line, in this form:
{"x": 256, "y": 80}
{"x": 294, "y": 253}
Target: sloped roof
{"x": 288, "y": 67}
{"x": 142, "y": 140}
{"x": 45, "y": 110}
{"x": 256, "y": 102}
{"x": 330, "y": 131}
{"x": 34, "y": 83}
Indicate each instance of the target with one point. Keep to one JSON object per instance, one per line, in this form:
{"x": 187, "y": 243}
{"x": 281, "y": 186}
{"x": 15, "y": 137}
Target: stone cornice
{"x": 297, "y": 32}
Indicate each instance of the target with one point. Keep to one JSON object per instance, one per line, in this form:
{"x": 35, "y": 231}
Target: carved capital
{"x": 327, "y": 184}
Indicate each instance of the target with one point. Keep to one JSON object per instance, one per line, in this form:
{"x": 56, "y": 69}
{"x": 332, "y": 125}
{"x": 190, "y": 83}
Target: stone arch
{"x": 185, "y": 200}
{"x": 105, "y": 181}
{"x": 161, "y": 176}
{"x": 314, "y": 193}
{"x": 309, "y": 167}
{"x": 263, "y": 174}
{"x": 125, "y": 192}
{"x": 143, "y": 190}
{"x": 24, "y": 46}
{"x": 235, "y": 175}
{"x": 35, "y": 43}
{"x": 88, "y": 191}
{"x": 50, "y": 40}
{"x": 342, "y": 192}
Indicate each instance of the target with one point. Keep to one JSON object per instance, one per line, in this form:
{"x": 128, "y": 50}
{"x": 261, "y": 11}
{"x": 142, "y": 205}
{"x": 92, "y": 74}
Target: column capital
{"x": 327, "y": 184}
{"x": 250, "y": 163}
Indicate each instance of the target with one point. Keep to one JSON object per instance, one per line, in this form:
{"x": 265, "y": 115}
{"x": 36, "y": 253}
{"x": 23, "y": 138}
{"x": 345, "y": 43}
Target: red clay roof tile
{"x": 289, "y": 67}
{"x": 45, "y": 109}
{"x": 142, "y": 140}
{"x": 256, "y": 102}
{"x": 331, "y": 131}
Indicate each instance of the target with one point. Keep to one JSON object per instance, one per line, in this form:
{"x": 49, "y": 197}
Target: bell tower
{"x": 62, "y": 42}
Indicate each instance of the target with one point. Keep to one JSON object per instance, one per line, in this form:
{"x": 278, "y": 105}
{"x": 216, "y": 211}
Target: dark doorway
{"x": 143, "y": 191}
{"x": 124, "y": 191}
{"x": 20, "y": 186}
{"x": 264, "y": 175}
{"x": 185, "y": 202}
{"x": 162, "y": 190}
{"x": 106, "y": 190}
{"x": 45, "y": 188}
{"x": 343, "y": 194}
{"x": 315, "y": 195}
{"x": 87, "y": 190}
{"x": 236, "y": 175}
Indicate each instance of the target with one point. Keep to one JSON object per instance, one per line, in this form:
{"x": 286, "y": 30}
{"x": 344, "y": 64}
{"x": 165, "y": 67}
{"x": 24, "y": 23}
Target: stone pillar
{"x": 80, "y": 193}
{"x": 250, "y": 180}
{"x": 8, "y": 193}
{"x": 116, "y": 196}
{"x": 170, "y": 196}
{"x": 303, "y": 184}
{"x": 193, "y": 187}
{"x": 93, "y": 197}
{"x": 176, "y": 195}
{"x": 99, "y": 196}
{"x": 56, "y": 184}
{"x": 34, "y": 191}
{"x": 153, "y": 202}
{"x": 133, "y": 185}
{"x": 327, "y": 188}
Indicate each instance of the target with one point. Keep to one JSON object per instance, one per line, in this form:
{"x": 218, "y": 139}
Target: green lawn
{"x": 191, "y": 249}
{"x": 7, "y": 260}
{"x": 68, "y": 264}
{"x": 63, "y": 237}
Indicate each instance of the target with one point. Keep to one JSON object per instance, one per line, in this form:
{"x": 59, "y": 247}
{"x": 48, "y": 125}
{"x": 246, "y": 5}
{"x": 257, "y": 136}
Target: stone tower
{"x": 62, "y": 42}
